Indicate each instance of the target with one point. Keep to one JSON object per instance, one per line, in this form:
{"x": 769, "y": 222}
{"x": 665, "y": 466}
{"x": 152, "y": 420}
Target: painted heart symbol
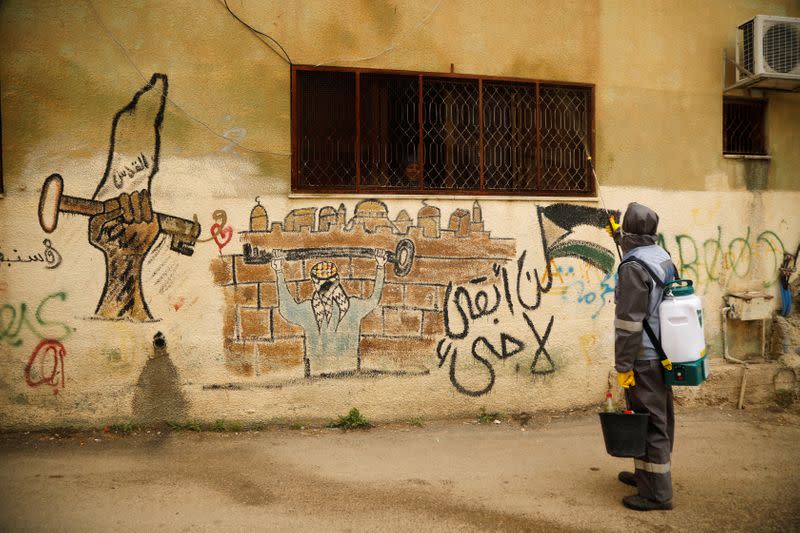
{"x": 222, "y": 236}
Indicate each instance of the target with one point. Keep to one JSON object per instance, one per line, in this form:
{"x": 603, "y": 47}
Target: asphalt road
{"x": 733, "y": 471}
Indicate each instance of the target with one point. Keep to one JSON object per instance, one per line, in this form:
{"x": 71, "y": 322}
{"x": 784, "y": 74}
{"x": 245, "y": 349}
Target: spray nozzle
{"x": 613, "y": 227}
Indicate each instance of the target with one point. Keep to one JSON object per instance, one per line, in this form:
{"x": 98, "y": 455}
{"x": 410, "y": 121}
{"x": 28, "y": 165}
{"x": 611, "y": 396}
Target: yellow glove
{"x": 612, "y": 227}
{"x": 625, "y": 379}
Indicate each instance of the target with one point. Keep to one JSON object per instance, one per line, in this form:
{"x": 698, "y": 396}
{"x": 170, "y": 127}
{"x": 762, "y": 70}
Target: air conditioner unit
{"x": 768, "y": 49}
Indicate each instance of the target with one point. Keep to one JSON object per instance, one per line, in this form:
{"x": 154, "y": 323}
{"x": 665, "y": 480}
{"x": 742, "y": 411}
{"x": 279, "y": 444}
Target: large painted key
{"x": 184, "y": 232}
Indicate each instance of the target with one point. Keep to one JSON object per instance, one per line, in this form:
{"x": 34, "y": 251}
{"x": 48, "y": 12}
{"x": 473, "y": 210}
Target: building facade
{"x": 277, "y": 211}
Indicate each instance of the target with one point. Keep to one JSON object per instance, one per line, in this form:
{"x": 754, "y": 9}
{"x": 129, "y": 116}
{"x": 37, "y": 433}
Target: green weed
{"x": 21, "y": 399}
{"x": 188, "y": 425}
{"x": 353, "y": 420}
{"x": 122, "y": 427}
{"x": 485, "y": 417}
{"x": 221, "y": 425}
{"x": 416, "y": 421}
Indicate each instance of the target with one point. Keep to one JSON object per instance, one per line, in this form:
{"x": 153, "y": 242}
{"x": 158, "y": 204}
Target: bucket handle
{"x": 677, "y": 283}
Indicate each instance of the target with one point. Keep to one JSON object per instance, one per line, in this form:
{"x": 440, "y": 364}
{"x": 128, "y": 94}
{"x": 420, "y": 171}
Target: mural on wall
{"x": 122, "y": 223}
{"x": 496, "y": 308}
{"x": 368, "y": 294}
{"x": 558, "y": 221}
{"x": 364, "y": 295}
{"x": 324, "y": 294}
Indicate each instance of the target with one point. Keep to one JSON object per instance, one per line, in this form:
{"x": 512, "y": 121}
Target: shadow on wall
{"x": 158, "y": 396}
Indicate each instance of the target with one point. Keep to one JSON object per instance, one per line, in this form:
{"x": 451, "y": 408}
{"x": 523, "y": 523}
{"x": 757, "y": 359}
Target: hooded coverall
{"x": 637, "y": 299}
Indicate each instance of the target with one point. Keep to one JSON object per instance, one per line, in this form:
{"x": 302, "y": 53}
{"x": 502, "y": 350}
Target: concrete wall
{"x": 77, "y": 334}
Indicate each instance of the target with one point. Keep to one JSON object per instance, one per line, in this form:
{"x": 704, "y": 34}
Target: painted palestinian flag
{"x": 557, "y": 223}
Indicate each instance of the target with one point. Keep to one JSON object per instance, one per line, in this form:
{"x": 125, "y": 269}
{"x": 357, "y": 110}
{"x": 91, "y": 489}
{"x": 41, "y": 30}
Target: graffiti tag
{"x": 14, "y": 320}
{"x": 235, "y": 137}
{"x": 706, "y": 260}
{"x": 593, "y": 291}
{"x": 220, "y": 233}
{"x": 46, "y": 365}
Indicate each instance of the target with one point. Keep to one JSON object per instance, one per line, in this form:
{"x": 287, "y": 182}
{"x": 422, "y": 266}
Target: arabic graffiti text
{"x": 15, "y": 320}
{"x": 467, "y": 304}
{"x": 49, "y": 256}
{"x": 129, "y": 171}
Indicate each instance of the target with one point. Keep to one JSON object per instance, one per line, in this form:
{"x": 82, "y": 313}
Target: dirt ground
{"x": 733, "y": 471}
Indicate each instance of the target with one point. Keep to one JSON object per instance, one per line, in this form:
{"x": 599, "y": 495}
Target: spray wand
{"x": 612, "y": 223}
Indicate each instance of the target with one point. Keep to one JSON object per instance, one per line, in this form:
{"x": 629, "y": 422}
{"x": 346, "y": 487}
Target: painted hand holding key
{"x": 124, "y": 229}
{"x": 122, "y": 222}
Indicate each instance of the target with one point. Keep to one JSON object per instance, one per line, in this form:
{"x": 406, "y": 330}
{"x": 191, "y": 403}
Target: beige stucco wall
{"x": 67, "y": 69}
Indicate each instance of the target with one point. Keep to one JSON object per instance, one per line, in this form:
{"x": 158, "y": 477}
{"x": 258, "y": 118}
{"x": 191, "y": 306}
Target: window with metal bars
{"x": 380, "y": 132}
{"x": 743, "y": 126}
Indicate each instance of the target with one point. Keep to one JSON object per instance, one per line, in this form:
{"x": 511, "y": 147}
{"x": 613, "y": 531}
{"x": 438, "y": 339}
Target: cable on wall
{"x": 259, "y": 34}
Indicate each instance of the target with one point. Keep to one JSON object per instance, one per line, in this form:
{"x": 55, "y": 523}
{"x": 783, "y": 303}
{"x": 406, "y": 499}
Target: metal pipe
{"x": 741, "y": 389}
{"x": 725, "y": 354}
{"x": 725, "y": 310}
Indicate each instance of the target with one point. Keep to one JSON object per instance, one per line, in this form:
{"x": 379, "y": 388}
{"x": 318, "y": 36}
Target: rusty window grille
{"x": 367, "y": 131}
{"x": 326, "y": 149}
{"x": 743, "y": 126}
{"x": 389, "y": 131}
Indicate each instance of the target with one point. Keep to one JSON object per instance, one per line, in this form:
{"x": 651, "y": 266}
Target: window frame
{"x": 764, "y": 103}
{"x": 359, "y": 188}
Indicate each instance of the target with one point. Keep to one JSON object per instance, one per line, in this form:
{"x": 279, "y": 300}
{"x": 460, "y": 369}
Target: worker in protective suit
{"x": 637, "y": 362}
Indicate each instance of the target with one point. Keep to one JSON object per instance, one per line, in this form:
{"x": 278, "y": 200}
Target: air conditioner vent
{"x": 747, "y": 48}
{"x": 782, "y": 47}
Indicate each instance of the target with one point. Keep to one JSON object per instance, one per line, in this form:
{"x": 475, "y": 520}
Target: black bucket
{"x": 625, "y": 434}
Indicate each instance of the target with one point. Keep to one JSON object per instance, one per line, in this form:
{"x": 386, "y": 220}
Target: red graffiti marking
{"x": 222, "y": 236}
{"x": 43, "y": 351}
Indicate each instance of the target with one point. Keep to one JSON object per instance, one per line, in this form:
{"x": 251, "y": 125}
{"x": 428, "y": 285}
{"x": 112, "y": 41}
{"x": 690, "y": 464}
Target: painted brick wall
{"x": 401, "y": 332}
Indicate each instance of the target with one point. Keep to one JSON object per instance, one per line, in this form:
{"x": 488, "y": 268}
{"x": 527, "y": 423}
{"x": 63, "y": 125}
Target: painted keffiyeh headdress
{"x": 331, "y": 291}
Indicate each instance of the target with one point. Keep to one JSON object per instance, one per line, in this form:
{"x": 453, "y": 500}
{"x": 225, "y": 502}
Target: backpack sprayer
{"x": 681, "y": 346}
